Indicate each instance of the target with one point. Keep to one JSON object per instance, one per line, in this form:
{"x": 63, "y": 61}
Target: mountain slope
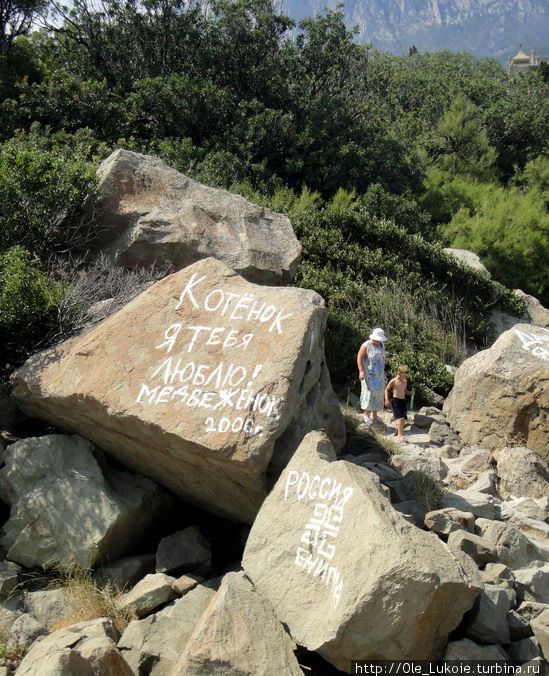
{"x": 484, "y": 27}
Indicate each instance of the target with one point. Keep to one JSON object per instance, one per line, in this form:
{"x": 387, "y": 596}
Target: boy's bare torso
{"x": 399, "y": 388}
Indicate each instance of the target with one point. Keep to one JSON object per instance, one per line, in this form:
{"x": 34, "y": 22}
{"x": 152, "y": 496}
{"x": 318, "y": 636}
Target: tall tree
{"x": 16, "y": 18}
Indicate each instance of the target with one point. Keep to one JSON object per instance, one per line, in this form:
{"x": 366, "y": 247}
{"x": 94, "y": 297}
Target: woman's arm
{"x": 360, "y": 360}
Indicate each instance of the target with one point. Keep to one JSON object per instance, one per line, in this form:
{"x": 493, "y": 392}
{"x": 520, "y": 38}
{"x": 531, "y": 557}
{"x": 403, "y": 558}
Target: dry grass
{"x": 388, "y": 445}
{"x": 426, "y": 491}
{"x": 87, "y": 600}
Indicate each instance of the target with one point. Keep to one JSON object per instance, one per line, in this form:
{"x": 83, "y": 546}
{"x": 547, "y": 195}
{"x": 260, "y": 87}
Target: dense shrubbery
{"x": 374, "y": 157}
{"x": 28, "y": 305}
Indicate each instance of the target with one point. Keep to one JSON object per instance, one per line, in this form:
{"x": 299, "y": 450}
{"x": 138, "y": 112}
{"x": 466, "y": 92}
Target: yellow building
{"x": 521, "y": 63}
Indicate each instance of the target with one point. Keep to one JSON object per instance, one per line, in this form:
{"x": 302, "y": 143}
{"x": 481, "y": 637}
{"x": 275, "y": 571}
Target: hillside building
{"x": 521, "y": 63}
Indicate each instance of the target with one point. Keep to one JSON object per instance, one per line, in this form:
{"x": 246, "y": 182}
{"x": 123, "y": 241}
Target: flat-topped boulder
{"x": 201, "y": 383}
{"x": 151, "y": 213}
{"x": 502, "y": 394}
{"x": 347, "y": 574}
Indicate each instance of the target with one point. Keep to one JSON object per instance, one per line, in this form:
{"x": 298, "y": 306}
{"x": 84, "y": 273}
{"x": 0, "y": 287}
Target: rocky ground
{"x": 179, "y": 602}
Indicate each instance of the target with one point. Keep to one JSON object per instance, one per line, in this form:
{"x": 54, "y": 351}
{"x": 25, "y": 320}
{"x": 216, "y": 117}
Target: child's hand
{"x": 387, "y": 404}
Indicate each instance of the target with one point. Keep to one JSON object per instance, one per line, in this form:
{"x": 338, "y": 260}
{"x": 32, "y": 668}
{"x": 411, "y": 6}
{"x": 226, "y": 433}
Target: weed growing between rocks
{"x": 87, "y": 600}
{"x": 388, "y": 445}
{"x": 426, "y": 491}
{"x": 11, "y": 654}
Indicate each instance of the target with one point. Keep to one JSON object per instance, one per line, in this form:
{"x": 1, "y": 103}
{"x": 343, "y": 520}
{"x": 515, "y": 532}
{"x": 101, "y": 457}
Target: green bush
{"x": 45, "y": 182}
{"x": 28, "y": 305}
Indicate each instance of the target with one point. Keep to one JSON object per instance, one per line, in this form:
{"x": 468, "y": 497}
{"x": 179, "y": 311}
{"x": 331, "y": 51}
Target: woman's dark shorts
{"x": 399, "y": 408}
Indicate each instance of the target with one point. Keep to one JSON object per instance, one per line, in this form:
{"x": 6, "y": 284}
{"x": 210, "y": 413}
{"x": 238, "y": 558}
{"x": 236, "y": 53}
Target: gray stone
{"x": 416, "y": 459}
{"x": 525, "y": 650}
{"x": 441, "y": 434}
{"x": 522, "y": 473}
{"x": 518, "y": 626}
{"x": 153, "y": 645}
{"x": 82, "y": 649}
{"x": 48, "y": 607}
{"x": 503, "y": 392}
{"x": 449, "y": 451}
{"x": 535, "y": 312}
{"x": 479, "y": 549}
{"x": 152, "y": 214}
{"x": 151, "y": 592}
{"x": 486, "y": 483}
{"x": 481, "y": 505}
{"x": 423, "y": 421}
{"x": 489, "y": 623}
{"x": 24, "y": 631}
{"x": 514, "y": 549}
{"x": 531, "y": 527}
{"x": 412, "y": 511}
{"x": 128, "y": 570}
{"x": 184, "y": 551}
{"x": 394, "y": 594}
{"x": 9, "y": 578}
{"x": 447, "y": 520}
{"x": 529, "y": 610}
{"x": 540, "y": 627}
{"x": 468, "y": 259}
{"x": 185, "y": 583}
{"x": 495, "y": 573}
{"x": 532, "y": 584}
{"x": 527, "y": 506}
{"x": 226, "y": 640}
{"x": 469, "y": 650}
{"x": 51, "y": 482}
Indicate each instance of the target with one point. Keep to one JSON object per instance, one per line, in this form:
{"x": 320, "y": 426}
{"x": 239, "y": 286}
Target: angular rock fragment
{"x": 84, "y": 648}
{"x": 227, "y": 641}
{"x": 479, "y": 549}
{"x": 522, "y": 473}
{"x": 184, "y": 551}
{"x": 150, "y": 213}
{"x": 151, "y": 592}
{"x": 503, "y": 392}
{"x": 200, "y": 383}
{"x": 345, "y": 572}
{"x": 153, "y": 645}
{"x": 67, "y": 508}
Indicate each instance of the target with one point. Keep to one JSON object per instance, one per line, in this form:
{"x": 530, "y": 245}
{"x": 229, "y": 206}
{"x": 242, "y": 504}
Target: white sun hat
{"x": 378, "y": 334}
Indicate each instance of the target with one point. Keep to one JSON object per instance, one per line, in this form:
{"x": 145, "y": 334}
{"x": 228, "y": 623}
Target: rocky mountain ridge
{"x": 492, "y": 28}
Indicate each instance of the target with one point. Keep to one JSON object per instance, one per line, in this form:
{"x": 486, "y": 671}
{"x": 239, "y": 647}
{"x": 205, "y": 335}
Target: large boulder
{"x": 200, "y": 382}
{"x": 68, "y": 507}
{"x": 469, "y": 259}
{"x": 151, "y": 213}
{"x": 502, "y": 394}
{"x": 346, "y": 573}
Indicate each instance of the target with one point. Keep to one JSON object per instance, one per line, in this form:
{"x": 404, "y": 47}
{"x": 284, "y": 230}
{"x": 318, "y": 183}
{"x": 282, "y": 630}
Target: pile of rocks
{"x": 204, "y": 407}
{"x": 492, "y": 506}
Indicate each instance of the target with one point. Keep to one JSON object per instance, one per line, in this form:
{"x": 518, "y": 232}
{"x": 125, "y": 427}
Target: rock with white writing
{"x": 200, "y": 382}
{"x": 150, "y": 213}
{"x": 503, "y": 393}
{"x": 346, "y": 573}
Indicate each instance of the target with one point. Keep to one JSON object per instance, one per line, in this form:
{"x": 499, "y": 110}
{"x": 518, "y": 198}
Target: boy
{"x": 399, "y": 387}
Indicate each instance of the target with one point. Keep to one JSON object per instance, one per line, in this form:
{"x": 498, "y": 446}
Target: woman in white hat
{"x": 371, "y": 371}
